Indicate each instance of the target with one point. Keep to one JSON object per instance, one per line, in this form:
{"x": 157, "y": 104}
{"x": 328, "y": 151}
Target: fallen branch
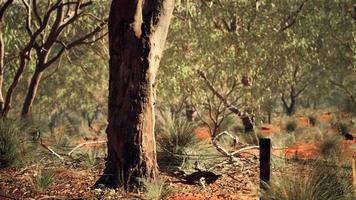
{"x": 50, "y": 150}
{"x": 244, "y": 149}
{"x": 84, "y": 144}
{"x": 236, "y": 141}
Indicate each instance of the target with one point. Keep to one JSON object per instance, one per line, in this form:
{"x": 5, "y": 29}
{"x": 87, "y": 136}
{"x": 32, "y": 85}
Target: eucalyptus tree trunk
{"x": 4, "y": 6}
{"x": 137, "y": 33}
{"x": 2, "y": 55}
{"x": 31, "y": 93}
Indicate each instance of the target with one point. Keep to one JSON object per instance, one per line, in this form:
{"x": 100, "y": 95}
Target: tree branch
{"x": 291, "y": 19}
{"x": 4, "y": 7}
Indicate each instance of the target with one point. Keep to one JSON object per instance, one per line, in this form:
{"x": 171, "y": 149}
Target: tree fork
{"x": 137, "y": 33}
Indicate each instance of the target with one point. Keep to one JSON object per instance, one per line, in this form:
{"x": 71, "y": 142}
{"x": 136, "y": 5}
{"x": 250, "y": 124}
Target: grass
{"x": 91, "y": 157}
{"x": 10, "y": 152}
{"x": 44, "y": 179}
{"x": 155, "y": 189}
{"x": 175, "y": 136}
{"x": 319, "y": 182}
{"x": 342, "y": 127}
{"x": 292, "y": 125}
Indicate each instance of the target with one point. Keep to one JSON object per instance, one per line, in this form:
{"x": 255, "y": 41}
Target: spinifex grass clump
{"x": 155, "y": 189}
{"x": 175, "y": 136}
{"x": 44, "y": 178}
{"x": 322, "y": 180}
{"x": 313, "y": 120}
{"x": 342, "y": 127}
{"x": 291, "y": 125}
{"x": 10, "y": 153}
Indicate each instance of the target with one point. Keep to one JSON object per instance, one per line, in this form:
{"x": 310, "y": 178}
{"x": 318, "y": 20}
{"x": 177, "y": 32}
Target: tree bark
{"x": 3, "y": 8}
{"x": 31, "y": 93}
{"x": 24, "y": 55}
{"x": 2, "y": 55}
{"x": 137, "y": 33}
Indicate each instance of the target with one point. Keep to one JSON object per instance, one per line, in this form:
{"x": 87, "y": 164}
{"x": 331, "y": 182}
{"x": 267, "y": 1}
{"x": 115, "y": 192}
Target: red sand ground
{"x": 312, "y": 150}
{"x": 203, "y": 133}
{"x": 303, "y": 122}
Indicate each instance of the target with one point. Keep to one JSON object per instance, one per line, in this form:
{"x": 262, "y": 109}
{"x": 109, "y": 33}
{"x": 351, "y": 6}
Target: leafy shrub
{"x": 313, "y": 120}
{"x": 10, "y": 154}
{"x": 175, "y": 135}
{"x": 291, "y": 126}
{"x": 155, "y": 189}
{"x": 44, "y": 179}
{"x": 321, "y": 182}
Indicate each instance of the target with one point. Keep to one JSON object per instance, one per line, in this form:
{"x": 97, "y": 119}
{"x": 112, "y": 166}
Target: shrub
{"x": 155, "y": 189}
{"x": 291, "y": 126}
{"x": 313, "y": 120}
{"x": 331, "y": 150}
{"x": 342, "y": 127}
{"x": 10, "y": 154}
{"x": 44, "y": 179}
{"x": 321, "y": 182}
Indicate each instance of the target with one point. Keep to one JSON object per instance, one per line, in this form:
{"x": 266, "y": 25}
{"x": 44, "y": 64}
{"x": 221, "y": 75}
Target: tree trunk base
{"x": 106, "y": 181}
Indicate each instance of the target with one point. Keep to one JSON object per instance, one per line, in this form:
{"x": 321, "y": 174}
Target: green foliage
{"x": 10, "y": 153}
{"x": 175, "y": 135}
{"x": 43, "y": 179}
{"x": 323, "y": 181}
{"x": 155, "y": 189}
{"x": 292, "y": 125}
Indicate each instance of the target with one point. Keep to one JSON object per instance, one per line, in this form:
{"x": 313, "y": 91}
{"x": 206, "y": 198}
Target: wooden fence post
{"x": 265, "y": 161}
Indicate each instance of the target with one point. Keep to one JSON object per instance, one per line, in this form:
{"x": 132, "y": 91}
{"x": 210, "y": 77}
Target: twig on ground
{"x": 50, "y": 150}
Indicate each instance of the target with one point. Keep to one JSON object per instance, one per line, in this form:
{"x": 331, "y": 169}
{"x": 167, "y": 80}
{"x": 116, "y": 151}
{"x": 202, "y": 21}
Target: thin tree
{"x": 137, "y": 33}
{"x": 3, "y": 8}
{"x": 51, "y": 47}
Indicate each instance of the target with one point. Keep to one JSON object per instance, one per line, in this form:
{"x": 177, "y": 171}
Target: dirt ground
{"x": 70, "y": 182}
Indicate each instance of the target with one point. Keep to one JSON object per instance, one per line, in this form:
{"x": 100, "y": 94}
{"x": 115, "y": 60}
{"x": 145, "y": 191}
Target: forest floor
{"x": 74, "y": 182}
{"x": 239, "y": 180}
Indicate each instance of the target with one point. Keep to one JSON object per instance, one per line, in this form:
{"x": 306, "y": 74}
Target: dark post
{"x": 265, "y": 161}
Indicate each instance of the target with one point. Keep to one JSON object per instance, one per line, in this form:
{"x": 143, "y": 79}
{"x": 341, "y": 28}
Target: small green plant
{"x": 10, "y": 153}
{"x": 44, "y": 179}
{"x": 291, "y": 126}
{"x": 155, "y": 189}
{"x": 313, "y": 120}
{"x": 320, "y": 182}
